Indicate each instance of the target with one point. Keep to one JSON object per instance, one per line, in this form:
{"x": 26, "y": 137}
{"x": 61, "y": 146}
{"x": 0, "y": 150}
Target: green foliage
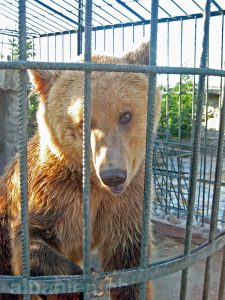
{"x": 32, "y": 109}
{"x": 32, "y": 99}
{"x": 15, "y": 48}
{"x": 179, "y": 109}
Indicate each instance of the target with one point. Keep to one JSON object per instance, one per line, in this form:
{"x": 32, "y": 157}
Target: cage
{"x": 187, "y": 157}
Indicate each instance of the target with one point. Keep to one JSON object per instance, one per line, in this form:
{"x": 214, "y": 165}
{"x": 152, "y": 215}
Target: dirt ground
{"x": 168, "y": 287}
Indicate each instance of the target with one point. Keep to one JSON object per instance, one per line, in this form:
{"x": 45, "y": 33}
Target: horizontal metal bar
{"x": 47, "y": 11}
{"x": 165, "y": 11}
{"x": 64, "y": 32}
{"x": 178, "y": 6}
{"x": 197, "y": 5}
{"x": 32, "y": 18}
{"x": 14, "y": 33}
{"x": 117, "y": 11}
{"x": 13, "y": 17}
{"x": 130, "y": 9}
{"x": 45, "y": 19}
{"x": 56, "y": 12}
{"x": 183, "y": 144}
{"x": 173, "y": 174}
{"x": 18, "y": 65}
{"x": 138, "y": 23}
{"x": 161, "y": 20}
{"x": 63, "y": 284}
{"x": 141, "y": 23}
{"x": 105, "y": 11}
{"x": 142, "y": 6}
{"x": 216, "y": 4}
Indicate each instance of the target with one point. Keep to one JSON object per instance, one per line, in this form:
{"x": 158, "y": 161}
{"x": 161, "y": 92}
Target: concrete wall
{"x": 8, "y": 116}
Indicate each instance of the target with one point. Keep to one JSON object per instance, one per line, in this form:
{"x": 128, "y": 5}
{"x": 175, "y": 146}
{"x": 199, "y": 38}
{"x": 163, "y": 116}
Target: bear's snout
{"x": 114, "y": 179}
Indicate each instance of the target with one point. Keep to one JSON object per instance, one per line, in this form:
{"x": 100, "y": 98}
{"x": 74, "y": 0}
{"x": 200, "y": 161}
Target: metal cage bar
{"x": 222, "y": 279}
{"x": 108, "y": 8}
{"x": 73, "y": 284}
{"x": 167, "y": 116}
{"x": 20, "y": 65}
{"x": 23, "y": 150}
{"x": 196, "y": 147}
{"x": 148, "y": 185}
{"x": 179, "y": 162}
{"x": 86, "y": 144}
{"x": 216, "y": 198}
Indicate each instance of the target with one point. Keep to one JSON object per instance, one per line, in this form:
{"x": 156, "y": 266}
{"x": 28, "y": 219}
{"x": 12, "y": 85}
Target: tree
{"x": 177, "y": 114}
{"x": 32, "y": 98}
{"x": 15, "y": 48}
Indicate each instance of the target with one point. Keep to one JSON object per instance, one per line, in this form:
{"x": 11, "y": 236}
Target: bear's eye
{"x": 125, "y": 117}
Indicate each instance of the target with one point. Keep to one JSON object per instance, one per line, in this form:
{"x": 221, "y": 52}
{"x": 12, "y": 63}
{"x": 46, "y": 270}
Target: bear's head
{"x": 118, "y": 118}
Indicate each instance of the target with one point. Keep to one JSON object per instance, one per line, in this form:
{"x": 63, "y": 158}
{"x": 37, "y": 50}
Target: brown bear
{"x": 118, "y": 130}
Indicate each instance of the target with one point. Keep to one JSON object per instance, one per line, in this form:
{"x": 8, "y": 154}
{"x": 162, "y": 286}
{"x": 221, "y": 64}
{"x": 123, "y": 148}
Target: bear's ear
{"x": 43, "y": 80}
{"x": 140, "y": 56}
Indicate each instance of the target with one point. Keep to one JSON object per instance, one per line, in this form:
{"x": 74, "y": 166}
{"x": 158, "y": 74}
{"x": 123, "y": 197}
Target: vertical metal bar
{"x": 214, "y": 207}
{"x": 22, "y": 106}
{"x": 195, "y": 153}
{"x": 216, "y": 197}
{"x": 48, "y": 48}
{"x": 12, "y": 51}
{"x": 2, "y": 43}
{"x": 143, "y": 30}
{"x": 62, "y": 47}
{"x": 133, "y": 34}
{"x": 205, "y": 151}
{"x": 221, "y": 56}
{"x": 33, "y": 52}
{"x": 148, "y": 188}
{"x": 70, "y": 45}
{"x": 95, "y": 39}
{"x": 55, "y": 47}
{"x": 104, "y": 39}
{"x": 155, "y": 164}
{"x": 194, "y": 102}
{"x": 167, "y": 114}
{"x": 80, "y": 28}
{"x": 222, "y": 279}
{"x": 199, "y": 185}
{"x": 123, "y": 39}
{"x": 86, "y": 143}
{"x": 210, "y": 178}
{"x": 194, "y": 83}
{"x": 180, "y": 119}
{"x": 39, "y": 47}
{"x": 113, "y": 40}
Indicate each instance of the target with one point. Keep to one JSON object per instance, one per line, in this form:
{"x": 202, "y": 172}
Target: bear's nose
{"x": 113, "y": 177}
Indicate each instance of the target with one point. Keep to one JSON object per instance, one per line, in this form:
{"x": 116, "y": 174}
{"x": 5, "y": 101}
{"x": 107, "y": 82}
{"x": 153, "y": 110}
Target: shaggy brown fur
{"x": 118, "y": 122}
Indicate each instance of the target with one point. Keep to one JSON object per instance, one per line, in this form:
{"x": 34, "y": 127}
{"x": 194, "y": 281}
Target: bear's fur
{"x": 118, "y": 124}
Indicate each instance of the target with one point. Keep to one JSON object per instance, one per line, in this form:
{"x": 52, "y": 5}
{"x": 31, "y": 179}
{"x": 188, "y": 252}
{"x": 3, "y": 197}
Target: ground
{"x": 168, "y": 287}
